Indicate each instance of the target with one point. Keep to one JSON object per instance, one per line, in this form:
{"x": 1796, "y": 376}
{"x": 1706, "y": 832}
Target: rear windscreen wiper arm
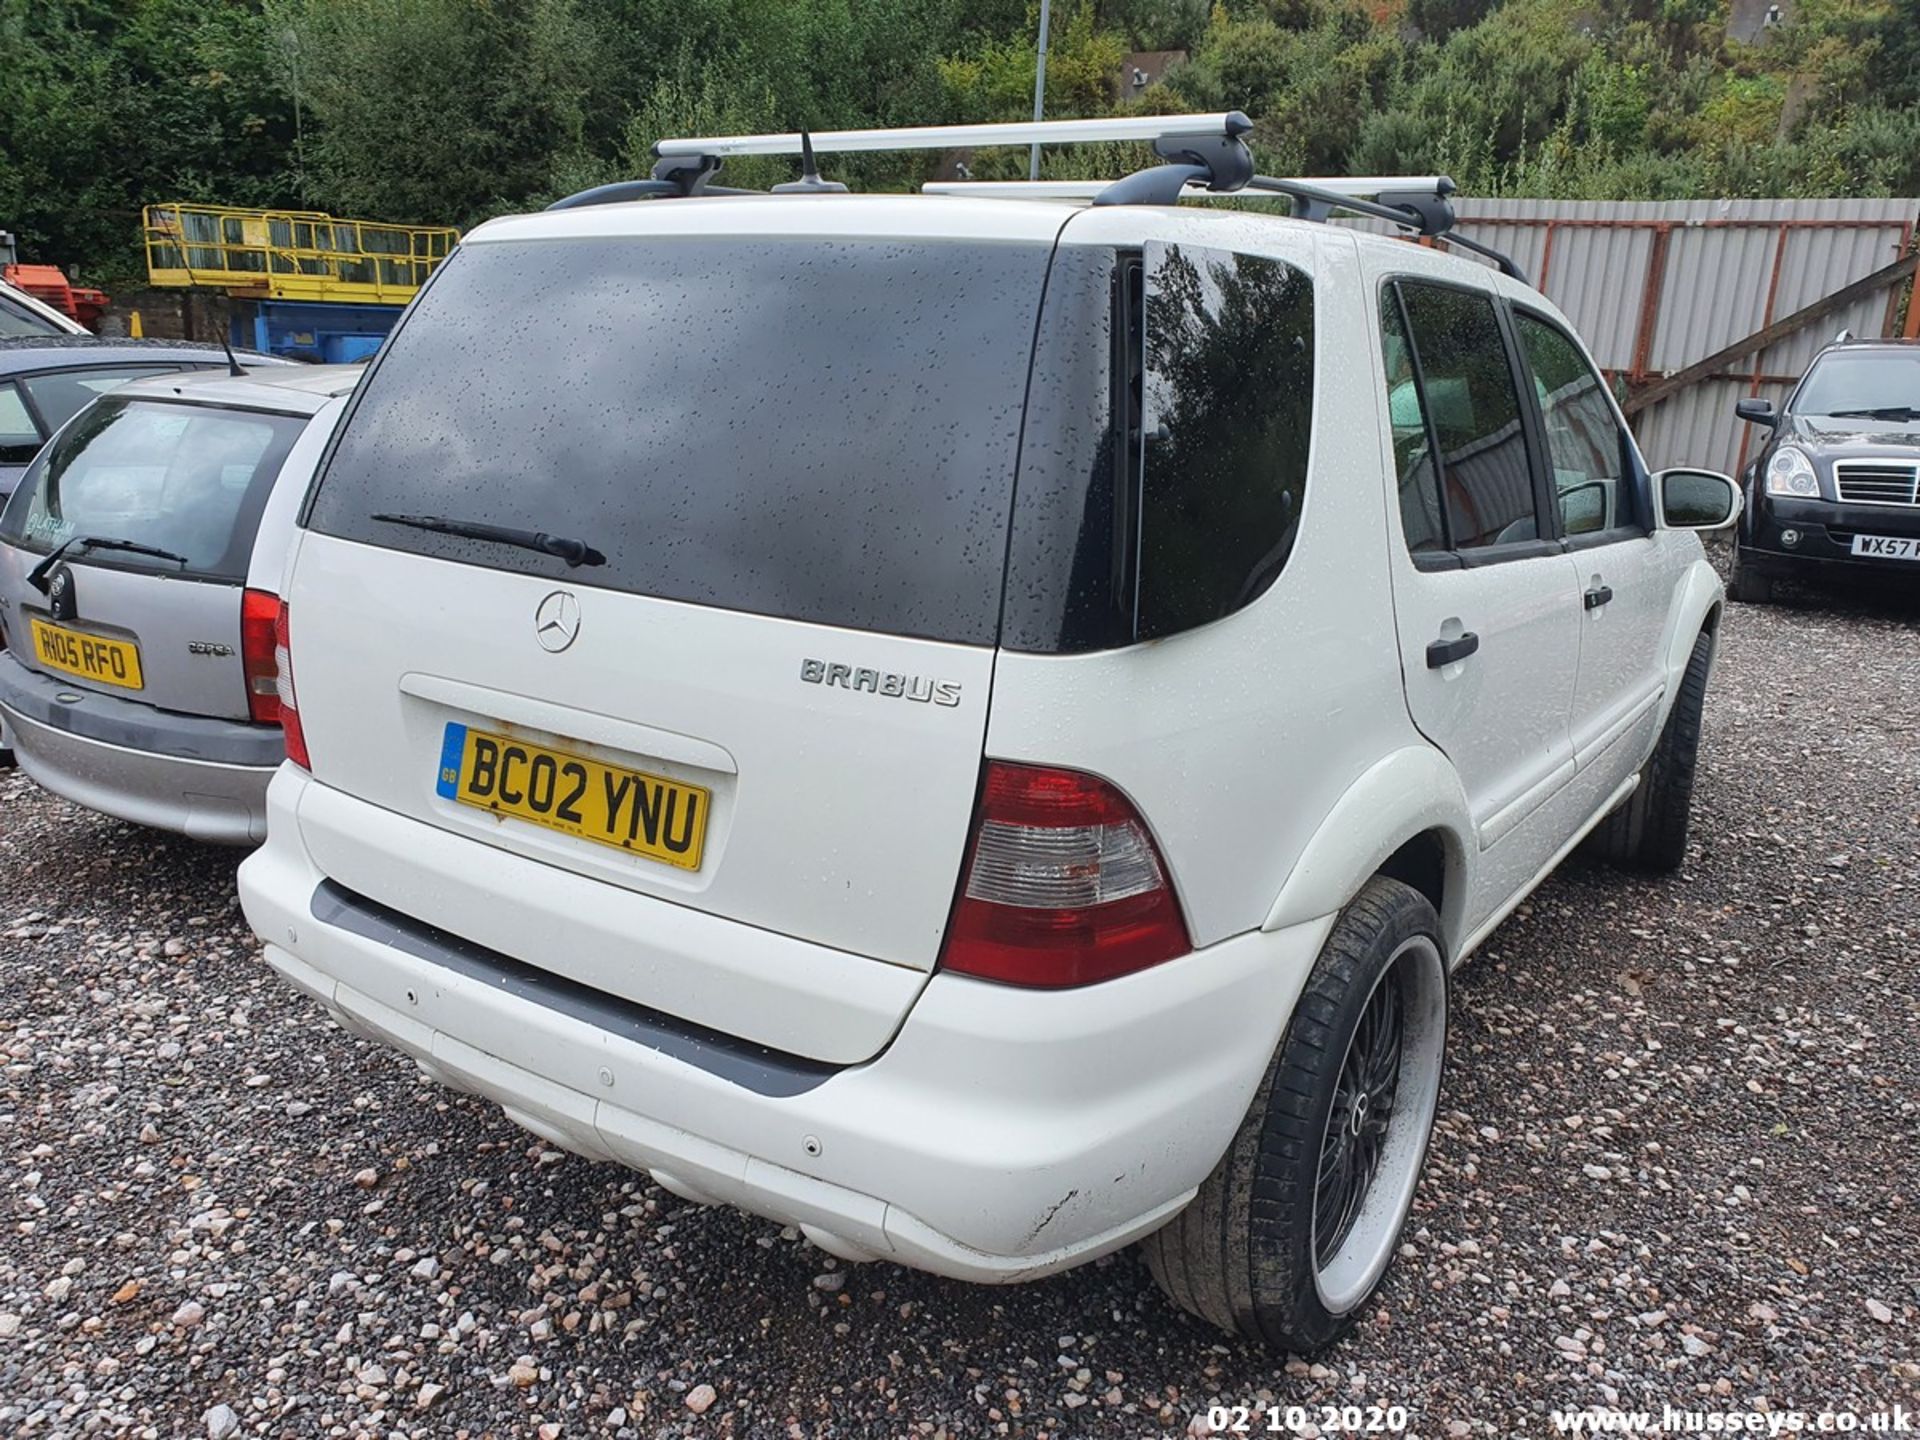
{"x": 37, "y": 577}
{"x": 574, "y": 552}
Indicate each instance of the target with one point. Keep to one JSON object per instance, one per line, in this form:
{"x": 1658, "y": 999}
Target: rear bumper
{"x": 200, "y": 776}
{"x": 1003, "y": 1134}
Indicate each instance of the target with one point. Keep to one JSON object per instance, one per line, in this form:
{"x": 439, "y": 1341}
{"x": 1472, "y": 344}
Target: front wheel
{"x": 1294, "y": 1229}
{"x": 1649, "y": 832}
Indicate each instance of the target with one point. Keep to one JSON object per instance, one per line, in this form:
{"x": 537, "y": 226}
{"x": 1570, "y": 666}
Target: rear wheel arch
{"x": 1406, "y": 818}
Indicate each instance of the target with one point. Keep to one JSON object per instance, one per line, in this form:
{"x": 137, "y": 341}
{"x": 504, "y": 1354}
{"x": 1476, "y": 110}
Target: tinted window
{"x": 1071, "y": 557}
{"x": 19, "y": 439}
{"x": 1862, "y": 380}
{"x": 1228, "y": 414}
{"x": 822, "y": 430}
{"x": 1468, "y": 395}
{"x": 1586, "y": 448}
{"x": 1421, "y": 519}
{"x": 186, "y": 478}
{"x": 59, "y": 395}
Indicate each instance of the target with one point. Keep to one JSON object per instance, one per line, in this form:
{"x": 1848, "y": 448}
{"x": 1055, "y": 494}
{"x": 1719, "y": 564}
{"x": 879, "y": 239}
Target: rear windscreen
{"x": 823, "y": 430}
{"x": 187, "y": 479}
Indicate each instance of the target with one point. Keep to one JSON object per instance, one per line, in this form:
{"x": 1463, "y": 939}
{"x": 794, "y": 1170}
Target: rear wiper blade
{"x": 574, "y": 552}
{"x": 37, "y": 577}
{"x": 1883, "y": 412}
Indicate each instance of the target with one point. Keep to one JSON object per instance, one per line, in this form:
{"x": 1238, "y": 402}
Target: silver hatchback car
{"x": 140, "y": 563}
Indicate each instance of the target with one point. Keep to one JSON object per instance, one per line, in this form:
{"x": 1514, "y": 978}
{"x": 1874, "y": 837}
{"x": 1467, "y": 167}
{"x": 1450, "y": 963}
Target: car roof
{"x": 925, "y": 217}
{"x": 295, "y": 389}
{"x": 1886, "y": 345}
{"x": 24, "y": 353}
{"x": 902, "y": 217}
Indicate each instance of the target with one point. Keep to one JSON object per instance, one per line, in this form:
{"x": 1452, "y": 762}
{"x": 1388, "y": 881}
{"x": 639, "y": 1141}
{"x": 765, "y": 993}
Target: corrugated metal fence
{"x": 1658, "y": 286}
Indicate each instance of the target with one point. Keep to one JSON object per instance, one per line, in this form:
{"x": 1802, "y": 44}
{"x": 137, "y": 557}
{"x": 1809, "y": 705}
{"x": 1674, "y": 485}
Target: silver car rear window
{"x": 191, "y": 479}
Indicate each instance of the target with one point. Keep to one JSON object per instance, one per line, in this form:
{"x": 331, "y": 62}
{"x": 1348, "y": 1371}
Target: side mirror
{"x": 1696, "y": 499}
{"x": 1756, "y": 412}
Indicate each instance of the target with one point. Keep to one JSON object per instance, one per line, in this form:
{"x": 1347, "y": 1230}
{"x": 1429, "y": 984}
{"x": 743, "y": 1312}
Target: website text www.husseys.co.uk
{"x": 1671, "y": 1420}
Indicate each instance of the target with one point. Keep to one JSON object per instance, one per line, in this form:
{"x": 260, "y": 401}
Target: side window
{"x": 1227, "y": 417}
{"x": 1473, "y": 412}
{"x": 19, "y": 437}
{"x": 1420, "y": 514}
{"x": 1586, "y": 449}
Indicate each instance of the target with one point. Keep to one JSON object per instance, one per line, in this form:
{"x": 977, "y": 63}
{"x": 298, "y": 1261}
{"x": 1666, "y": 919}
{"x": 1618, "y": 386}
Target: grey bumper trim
{"x": 134, "y": 725}
{"x": 754, "y": 1067}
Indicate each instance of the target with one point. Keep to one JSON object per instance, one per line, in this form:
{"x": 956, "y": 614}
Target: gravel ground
{"x": 1677, "y": 1163}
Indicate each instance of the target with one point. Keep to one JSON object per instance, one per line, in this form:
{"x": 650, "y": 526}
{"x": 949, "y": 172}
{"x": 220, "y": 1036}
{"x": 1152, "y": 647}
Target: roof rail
{"x": 1421, "y": 203}
{"x": 1198, "y": 153}
{"x": 1360, "y": 187}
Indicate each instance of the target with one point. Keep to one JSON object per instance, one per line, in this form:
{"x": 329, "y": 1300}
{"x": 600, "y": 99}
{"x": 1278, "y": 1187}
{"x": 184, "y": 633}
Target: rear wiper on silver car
{"x": 37, "y": 577}
{"x": 1882, "y": 412}
{"x": 574, "y": 552}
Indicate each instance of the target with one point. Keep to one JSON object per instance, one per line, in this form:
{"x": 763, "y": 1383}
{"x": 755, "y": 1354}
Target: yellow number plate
{"x": 91, "y": 657}
{"x": 661, "y": 819}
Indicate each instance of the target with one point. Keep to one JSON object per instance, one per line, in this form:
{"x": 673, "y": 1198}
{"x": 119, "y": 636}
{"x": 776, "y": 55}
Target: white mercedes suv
{"x": 976, "y": 728}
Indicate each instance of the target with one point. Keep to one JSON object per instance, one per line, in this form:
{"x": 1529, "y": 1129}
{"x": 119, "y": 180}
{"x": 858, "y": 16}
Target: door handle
{"x": 1597, "y": 596}
{"x": 1445, "y": 652}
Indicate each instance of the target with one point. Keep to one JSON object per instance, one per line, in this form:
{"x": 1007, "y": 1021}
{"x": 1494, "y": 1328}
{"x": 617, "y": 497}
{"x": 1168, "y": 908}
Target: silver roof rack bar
{"x": 1227, "y": 124}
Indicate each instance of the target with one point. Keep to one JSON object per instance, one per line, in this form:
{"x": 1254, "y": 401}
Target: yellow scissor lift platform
{"x": 299, "y": 255}
{"x": 311, "y": 287}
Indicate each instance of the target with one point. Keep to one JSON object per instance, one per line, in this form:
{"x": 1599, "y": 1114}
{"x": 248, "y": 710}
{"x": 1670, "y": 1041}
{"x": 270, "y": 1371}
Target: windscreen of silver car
{"x": 821, "y": 430}
{"x": 180, "y": 481}
{"x": 19, "y": 437}
{"x": 59, "y": 395}
{"x": 17, "y": 321}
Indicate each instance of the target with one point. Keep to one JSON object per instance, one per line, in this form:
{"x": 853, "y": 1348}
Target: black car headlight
{"x": 1790, "y": 473}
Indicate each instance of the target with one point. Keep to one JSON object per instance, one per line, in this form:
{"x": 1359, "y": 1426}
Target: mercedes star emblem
{"x": 556, "y": 621}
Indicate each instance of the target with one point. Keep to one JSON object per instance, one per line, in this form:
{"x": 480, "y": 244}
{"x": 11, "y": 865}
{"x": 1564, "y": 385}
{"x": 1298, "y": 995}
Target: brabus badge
{"x": 881, "y": 682}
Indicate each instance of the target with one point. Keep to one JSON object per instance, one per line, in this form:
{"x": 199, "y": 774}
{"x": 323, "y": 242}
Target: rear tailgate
{"x": 832, "y": 814}
{"x": 163, "y": 629}
{"x": 766, "y": 701}
{"x": 164, "y": 641}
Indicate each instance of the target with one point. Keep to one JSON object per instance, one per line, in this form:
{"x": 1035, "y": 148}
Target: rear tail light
{"x": 283, "y": 676}
{"x": 1063, "y": 886}
{"x": 258, "y": 613}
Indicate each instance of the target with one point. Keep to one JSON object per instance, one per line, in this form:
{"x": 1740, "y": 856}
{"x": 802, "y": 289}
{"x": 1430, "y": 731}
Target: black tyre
{"x": 1746, "y": 584}
{"x": 1649, "y": 832}
{"x": 1297, "y": 1224}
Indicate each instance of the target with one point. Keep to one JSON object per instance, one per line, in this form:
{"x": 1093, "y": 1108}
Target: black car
{"x": 45, "y": 380}
{"x": 1836, "y": 488}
